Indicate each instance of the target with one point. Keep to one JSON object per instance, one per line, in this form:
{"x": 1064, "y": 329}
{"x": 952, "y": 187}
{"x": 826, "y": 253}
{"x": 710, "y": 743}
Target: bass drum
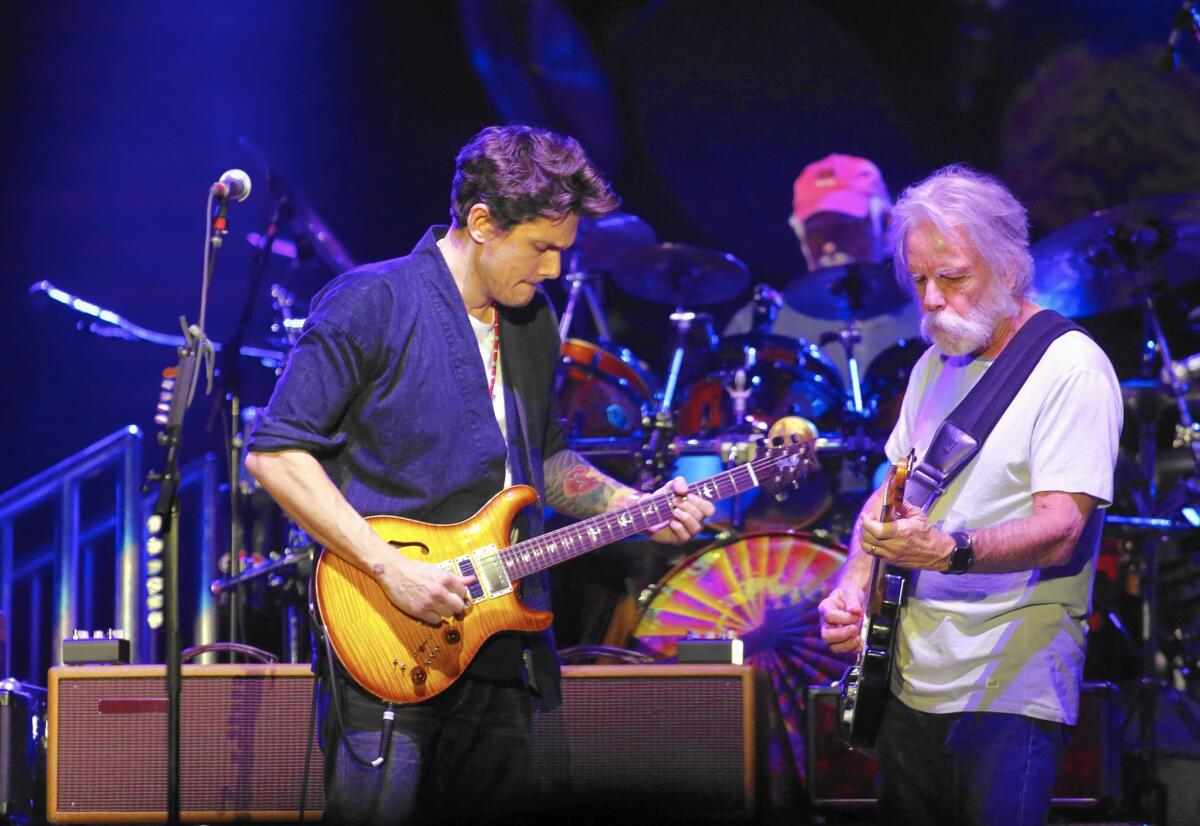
{"x": 783, "y": 377}
{"x": 763, "y": 589}
{"x": 601, "y": 393}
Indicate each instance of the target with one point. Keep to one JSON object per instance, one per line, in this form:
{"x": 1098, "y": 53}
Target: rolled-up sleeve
{"x": 328, "y": 367}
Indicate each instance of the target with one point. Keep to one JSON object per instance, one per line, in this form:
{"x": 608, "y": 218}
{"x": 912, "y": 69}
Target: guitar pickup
{"x": 489, "y": 567}
{"x": 463, "y": 567}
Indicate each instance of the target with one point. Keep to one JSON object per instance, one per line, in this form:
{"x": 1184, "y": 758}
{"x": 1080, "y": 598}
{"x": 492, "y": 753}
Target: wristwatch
{"x": 963, "y": 554}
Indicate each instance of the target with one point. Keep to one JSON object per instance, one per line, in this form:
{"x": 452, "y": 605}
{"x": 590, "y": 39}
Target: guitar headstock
{"x": 785, "y": 461}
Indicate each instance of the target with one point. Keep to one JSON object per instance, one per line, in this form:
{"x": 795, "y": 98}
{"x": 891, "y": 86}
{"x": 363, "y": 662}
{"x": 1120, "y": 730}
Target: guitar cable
{"x": 308, "y": 750}
{"x": 389, "y": 713}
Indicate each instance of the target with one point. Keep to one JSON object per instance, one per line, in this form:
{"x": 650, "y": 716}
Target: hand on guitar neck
{"x": 843, "y": 610}
{"x": 908, "y": 540}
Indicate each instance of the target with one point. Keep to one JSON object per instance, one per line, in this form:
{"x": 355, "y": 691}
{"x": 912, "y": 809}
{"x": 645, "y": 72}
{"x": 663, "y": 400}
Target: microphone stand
{"x": 162, "y": 545}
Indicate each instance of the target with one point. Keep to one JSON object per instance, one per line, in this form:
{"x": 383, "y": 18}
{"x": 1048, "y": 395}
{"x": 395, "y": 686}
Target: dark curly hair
{"x": 522, "y": 173}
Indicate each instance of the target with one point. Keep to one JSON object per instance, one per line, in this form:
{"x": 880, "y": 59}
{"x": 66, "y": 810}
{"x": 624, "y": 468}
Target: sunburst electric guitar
{"x": 865, "y": 684}
{"x": 402, "y": 660}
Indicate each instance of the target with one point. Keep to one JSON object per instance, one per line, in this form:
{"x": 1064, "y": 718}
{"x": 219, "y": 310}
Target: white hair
{"x": 960, "y": 199}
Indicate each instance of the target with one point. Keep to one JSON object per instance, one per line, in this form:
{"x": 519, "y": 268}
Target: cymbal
{"x": 680, "y": 275}
{"x": 846, "y": 292}
{"x": 603, "y": 240}
{"x": 1104, "y": 261}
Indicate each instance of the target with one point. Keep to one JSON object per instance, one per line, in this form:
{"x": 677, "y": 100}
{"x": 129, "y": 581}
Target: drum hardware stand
{"x": 1156, "y": 353}
{"x": 299, "y": 553}
{"x": 740, "y": 393}
{"x": 848, "y": 337}
{"x": 661, "y": 429}
{"x": 657, "y": 450}
{"x": 581, "y": 282}
{"x": 766, "y": 302}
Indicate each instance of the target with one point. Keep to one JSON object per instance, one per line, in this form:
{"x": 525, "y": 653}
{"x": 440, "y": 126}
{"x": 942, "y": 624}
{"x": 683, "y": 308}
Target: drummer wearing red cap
{"x": 840, "y": 206}
{"x": 840, "y": 211}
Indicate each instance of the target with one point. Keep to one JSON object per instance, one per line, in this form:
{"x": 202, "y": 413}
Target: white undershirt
{"x": 485, "y": 335}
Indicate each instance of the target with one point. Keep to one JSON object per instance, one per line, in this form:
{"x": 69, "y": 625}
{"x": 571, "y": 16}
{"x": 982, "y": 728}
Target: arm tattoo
{"x": 575, "y": 487}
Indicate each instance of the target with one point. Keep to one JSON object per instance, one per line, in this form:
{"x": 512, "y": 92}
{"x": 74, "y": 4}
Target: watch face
{"x": 963, "y": 554}
{"x": 961, "y": 559}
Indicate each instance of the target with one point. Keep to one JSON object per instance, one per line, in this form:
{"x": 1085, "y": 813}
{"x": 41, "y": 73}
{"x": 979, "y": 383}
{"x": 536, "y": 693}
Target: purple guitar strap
{"x": 964, "y": 431}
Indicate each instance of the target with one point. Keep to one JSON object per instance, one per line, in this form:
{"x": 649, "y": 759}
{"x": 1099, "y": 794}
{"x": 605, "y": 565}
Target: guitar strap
{"x": 964, "y": 431}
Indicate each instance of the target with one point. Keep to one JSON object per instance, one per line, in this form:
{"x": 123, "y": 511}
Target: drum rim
{"x": 637, "y": 367}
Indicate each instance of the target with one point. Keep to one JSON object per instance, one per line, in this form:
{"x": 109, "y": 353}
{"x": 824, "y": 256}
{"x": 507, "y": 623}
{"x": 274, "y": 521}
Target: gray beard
{"x": 959, "y": 335}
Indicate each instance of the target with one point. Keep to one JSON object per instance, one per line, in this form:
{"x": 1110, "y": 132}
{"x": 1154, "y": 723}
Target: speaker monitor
{"x": 678, "y": 739}
{"x": 1090, "y": 774}
{"x": 243, "y": 734}
{"x": 16, "y": 752}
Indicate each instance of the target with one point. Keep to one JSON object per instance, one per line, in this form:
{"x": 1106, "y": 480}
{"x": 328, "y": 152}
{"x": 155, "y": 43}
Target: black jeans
{"x": 967, "y": 768}
{"x": 462, "y": 756}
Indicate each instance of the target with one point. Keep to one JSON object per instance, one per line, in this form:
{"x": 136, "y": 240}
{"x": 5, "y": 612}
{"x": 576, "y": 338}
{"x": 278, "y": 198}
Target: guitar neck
{"x": 549, "y": 549}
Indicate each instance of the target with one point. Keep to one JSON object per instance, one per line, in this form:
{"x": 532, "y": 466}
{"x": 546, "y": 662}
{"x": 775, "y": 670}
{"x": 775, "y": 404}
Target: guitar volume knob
{"x": 419, "y": 676}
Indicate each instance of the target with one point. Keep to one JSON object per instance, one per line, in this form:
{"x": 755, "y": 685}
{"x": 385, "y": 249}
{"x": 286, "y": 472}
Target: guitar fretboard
{"x": 549, "y": 549}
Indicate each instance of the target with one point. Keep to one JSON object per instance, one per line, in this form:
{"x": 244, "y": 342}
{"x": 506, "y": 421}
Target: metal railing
{"x": 69, "y": 556}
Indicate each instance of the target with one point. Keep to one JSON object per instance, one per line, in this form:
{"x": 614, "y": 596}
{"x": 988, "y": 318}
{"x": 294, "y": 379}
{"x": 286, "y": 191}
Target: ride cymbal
{"x": 679, "y": 275}
{"x": 1106, "y": 260}
{"x": 846, "y": 292}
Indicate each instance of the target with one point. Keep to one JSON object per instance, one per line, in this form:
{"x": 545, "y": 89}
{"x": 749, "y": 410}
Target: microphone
{"x": 234, "y": 184}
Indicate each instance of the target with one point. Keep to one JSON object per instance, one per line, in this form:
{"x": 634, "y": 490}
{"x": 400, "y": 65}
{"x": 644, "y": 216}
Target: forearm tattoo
{"x": 576, "y": 487}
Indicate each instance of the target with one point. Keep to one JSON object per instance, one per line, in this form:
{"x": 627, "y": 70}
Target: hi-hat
{"x": 1106, "y": 260}
{"x": 681, "y": 276}
{"x": 846, "y": 292}
{"x": 603, "y": 240}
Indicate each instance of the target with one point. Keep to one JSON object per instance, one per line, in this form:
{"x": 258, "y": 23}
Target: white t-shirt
{"x": 1009, "y": 642}
{"x": 485, "y": 335}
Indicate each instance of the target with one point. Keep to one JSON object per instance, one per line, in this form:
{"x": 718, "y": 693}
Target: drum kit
{"x": 721, "y": 394}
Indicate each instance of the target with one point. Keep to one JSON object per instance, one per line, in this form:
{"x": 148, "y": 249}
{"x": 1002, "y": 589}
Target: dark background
{"x": 119, "y": 115}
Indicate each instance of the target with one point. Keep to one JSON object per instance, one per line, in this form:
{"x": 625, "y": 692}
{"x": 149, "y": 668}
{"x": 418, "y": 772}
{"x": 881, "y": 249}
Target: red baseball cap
{"x": 838, "y": 183}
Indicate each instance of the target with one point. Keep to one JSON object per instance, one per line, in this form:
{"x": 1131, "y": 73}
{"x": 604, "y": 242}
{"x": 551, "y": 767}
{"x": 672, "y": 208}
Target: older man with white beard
{"x": 989, "y": 654}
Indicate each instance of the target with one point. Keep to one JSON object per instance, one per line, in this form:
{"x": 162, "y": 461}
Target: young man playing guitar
{"x": 989, "y": 654}
{"x": 421, "y": 387}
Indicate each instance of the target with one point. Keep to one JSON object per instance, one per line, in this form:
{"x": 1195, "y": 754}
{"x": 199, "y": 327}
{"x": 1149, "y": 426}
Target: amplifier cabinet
{"x": 674, "y": 739}
{"x": 1090, "y": 774}
{"x": 243, "y": 734}
{"x": 17, "y": 752}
